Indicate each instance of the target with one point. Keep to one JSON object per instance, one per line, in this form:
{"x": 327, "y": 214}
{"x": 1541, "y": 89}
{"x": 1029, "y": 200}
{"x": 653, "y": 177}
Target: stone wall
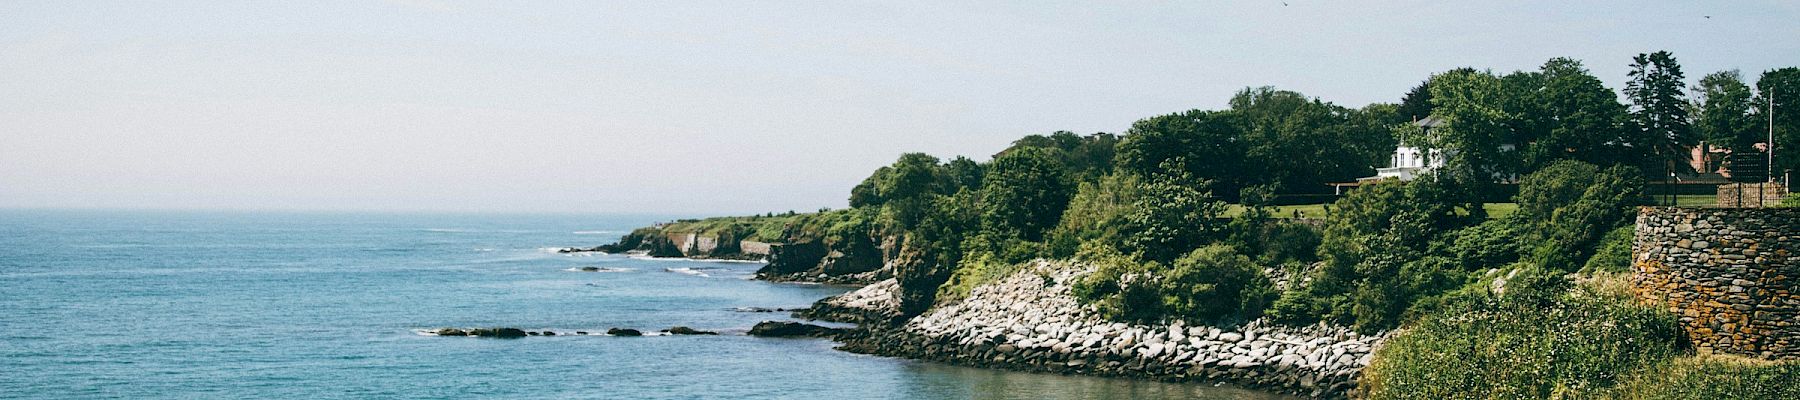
{"x": 1731, "y": 275}
{"x": 1771, "y": 193}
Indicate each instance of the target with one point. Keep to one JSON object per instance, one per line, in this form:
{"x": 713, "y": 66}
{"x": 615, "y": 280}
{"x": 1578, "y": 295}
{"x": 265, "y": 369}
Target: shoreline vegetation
{"x": 1205, "y": 245}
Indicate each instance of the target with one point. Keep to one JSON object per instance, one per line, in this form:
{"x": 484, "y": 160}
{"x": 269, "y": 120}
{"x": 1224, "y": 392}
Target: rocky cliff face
{"x": 1031, "y": 321}
{"x": 855, "y": 261}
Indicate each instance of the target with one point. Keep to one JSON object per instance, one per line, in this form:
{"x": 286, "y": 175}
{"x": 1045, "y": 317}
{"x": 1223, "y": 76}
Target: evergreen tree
{"x": 1659, "y": 111}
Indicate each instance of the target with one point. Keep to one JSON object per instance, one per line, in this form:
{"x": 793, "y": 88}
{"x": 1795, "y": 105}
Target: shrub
{"x": 1170, "y": 218}
{"x": 1492, "y": 243}
{"x": 1614, "y": 252}
{"x": 1213, "y": 284}
{"x": 1273, "y": 242}
{"x": 1538, "y": 340}
{"x": 1792, "y": 200}
{"x": 974, "y": 271}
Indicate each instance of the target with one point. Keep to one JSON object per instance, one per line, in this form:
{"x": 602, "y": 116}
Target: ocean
{"x": 167, "y": 304}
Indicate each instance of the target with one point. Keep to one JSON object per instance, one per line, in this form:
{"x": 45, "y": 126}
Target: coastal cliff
{"x": 836, "y": 247}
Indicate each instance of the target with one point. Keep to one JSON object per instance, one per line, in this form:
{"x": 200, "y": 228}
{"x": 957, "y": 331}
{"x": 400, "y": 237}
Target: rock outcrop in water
{"x": 1030, "y": 321}
{"x": 682, "y": 330}
{"x": 792, "y": 329}
{"x": 507, "y": 333}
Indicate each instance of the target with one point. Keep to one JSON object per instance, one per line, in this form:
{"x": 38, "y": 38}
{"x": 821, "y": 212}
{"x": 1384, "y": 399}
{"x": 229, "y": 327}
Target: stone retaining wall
{"x": 1771, "y": 194}
{"x": 1731, "y": 275}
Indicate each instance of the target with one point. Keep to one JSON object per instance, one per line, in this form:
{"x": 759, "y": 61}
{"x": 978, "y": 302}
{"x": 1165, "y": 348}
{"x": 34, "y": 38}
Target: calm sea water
{"x": 311, "y": 305}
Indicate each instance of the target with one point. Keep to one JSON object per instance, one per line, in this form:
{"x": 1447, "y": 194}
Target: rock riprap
{"x": 871, "y": 304}
{"x": 1031, "y": 321}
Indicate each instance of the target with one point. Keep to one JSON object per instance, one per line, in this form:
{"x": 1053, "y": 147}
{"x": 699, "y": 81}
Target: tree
{"x": 1208, "y": 141}
{"x": 1170, "y": 216}
{"x": 1416, "y": 105}
{"x": 1086, "y": 157}
{"x": 1583, "y": 119}
{"x": 914, "y": 175}
{"x": 1024, "y": 193}
{"x": 1784, "y": 86}
{"x": 1659, "y": 110}
{"x": 1298, "y": 144}
{"x": 1723, "y": 102}
{"x": 1476, "y": 126}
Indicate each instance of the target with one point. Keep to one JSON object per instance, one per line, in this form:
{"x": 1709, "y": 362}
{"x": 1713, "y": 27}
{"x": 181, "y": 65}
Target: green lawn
{"x": 1697, "y": 200}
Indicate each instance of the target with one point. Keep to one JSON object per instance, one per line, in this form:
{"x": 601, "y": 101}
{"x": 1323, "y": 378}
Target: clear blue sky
{"x": 707, "y": 108}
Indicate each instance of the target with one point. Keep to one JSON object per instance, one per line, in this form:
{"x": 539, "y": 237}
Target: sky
{"x": 708, "y": 108}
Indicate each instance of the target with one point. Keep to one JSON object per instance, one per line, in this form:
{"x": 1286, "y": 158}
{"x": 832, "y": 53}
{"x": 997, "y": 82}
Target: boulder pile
{"x": 1031, "y": 321}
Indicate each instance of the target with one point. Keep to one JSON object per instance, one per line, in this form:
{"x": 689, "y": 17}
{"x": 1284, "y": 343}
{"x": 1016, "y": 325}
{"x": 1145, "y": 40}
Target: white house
{"x": 1409, "y": 162}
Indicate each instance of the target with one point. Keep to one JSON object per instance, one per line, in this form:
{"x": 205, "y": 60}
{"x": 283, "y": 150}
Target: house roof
{"x": 1430, "y": 122}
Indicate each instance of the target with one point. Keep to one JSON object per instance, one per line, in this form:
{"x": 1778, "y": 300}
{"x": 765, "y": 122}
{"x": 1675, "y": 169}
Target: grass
{"x": 1714, "y": 377}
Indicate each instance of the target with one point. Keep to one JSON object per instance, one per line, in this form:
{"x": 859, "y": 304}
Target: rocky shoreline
{"x": 1030, "y": 322}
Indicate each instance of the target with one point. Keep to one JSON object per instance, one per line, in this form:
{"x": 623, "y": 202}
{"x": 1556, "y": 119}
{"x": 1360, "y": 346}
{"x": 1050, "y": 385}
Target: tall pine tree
{"x": 1659, "y": 111}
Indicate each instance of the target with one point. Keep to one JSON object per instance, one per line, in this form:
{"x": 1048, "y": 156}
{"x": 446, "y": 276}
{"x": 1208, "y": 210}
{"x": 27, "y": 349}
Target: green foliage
{"x": 1378, "y": 250}
{"x": 1538, "y": 340}
{"x": 1170, "y": 218}
{"x": 1206, "y": 142}
{"x": 1555, "y": 186}
{"x": 1614, "y": 252}
{"x": 913, "y": 176}
{"x": 1781, "y": 86}
{"x": 1416, "y": 105}
{"x": 1491, "y": 243}
{"x": 1211, "y": 285}
{"x": 1577, "y": 118}
{"x": 1477, "y": 121}
{"x": 1792, "y": 200}
{"x": 974, "y": 271}
{"x": 1086, "y": 157}
{"x": 1723, "y": 103}
{"x": 1097, "y": 213}
{"x": 1024, "y": 193}
{"x": 1296, "y": 144}
{"x": 1568, "y": 205}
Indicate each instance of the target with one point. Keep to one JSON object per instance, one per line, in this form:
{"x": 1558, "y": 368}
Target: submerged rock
{"x": 791, "y": 329}
{"x": 450, "y": 332}
{"x": 498, "y": 332}
{"x": 624, "y": 332}
{"x": 682, "y": 330}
